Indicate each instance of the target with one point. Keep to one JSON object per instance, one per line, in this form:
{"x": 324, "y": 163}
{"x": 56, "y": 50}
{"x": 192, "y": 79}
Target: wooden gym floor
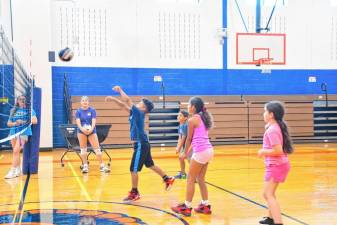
{"x": 63, "y": 195}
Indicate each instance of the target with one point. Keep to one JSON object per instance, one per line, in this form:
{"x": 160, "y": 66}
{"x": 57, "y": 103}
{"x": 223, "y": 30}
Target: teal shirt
{"x": 21, "y": 114}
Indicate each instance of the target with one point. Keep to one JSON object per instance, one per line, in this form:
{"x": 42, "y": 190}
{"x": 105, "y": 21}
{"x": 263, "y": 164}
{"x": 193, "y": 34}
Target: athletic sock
{"x": 188, "y": 204}
{"x": 165, "y": 177}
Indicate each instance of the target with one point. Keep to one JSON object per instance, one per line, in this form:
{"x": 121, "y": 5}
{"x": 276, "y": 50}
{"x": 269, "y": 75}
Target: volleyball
{"x": 87, "y": 126}
{"x": 66, "y": 54}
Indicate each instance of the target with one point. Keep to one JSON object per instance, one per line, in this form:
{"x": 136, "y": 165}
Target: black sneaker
{"x": 267, "y": 220}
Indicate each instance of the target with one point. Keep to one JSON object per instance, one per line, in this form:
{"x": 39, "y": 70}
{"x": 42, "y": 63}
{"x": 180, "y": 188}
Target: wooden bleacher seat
{"x": 299, "y": 117}
{"x": 235, "y": 119}
{"x": 230, "y": 121}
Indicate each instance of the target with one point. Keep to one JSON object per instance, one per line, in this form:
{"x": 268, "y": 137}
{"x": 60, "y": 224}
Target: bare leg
{"x": 134, "y": 179}
{"x": 273, "y": 206}
{"x": 93, "y": 139}
{"x": 16, "y": 145}
{"x": 157, "y": 170}
{"x": 83, "y": 139}
{"x": 182, "y": 164}
{"x": 193, "y": 173}
{"x": 201, "y": 182}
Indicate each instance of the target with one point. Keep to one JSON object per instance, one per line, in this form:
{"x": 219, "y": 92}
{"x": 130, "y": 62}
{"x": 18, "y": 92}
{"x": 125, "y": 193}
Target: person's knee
{"x": 267, "y": 195}
{"x": 16, "y": 150}
{"x": 201, "y": 180}
{"x": 151, "y": 166}
{"x": 98, "y": 151}
{"x": 84, "y": 151}
{"x": 191, "y": 178}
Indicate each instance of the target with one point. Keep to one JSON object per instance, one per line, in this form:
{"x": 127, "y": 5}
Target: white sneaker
{"x": 85, "y": 168}
{"x": 18, "y": 171}
{"x": 104, "y": 169}
{"x": 11, "y": 174}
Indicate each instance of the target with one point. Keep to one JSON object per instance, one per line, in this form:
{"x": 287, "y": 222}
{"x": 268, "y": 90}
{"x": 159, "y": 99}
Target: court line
{"x": 216, "y": 155}
{"x": 254, "y": 202}
{"x": 118, "y": 203}
{"x": 1, "y": 156}
{"x": 22, "y": 201}
{"x": 173, "y": 171}
{"x": 79, "y": 181}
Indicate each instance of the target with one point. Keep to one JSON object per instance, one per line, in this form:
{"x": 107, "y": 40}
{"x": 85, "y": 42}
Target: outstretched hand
{"x": 117, "y": 89}
{"x": 110, "y": 99}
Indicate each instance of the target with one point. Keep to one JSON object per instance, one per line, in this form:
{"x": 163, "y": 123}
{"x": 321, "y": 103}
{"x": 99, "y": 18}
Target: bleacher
{"x": 237, "y": 119}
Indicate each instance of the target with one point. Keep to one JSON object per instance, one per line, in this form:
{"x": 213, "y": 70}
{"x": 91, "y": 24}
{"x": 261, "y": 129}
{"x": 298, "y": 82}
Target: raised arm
{"x": 121, "y": 104}
{"x": 125, "y": 98}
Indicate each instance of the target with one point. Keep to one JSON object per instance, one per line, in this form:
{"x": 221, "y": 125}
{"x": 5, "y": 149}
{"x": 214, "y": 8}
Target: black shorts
{"x": 141, "y": 155}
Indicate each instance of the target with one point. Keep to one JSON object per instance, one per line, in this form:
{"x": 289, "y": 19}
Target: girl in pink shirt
{"x": 276, "y": 146}
{"x": 197, "y": 136}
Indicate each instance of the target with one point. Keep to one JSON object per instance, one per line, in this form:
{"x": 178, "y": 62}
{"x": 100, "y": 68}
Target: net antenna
{"x": 14, "y": 82}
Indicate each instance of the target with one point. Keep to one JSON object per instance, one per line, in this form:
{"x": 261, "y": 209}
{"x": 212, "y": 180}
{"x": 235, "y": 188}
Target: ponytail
{"x": 287, "y": 142}
{"x": 200, "y": 109}
{"x": 207, "y": 118}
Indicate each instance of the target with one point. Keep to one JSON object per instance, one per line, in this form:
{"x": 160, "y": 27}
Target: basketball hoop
{"x": 265, "y": 64}
{"x": 263, "y": 61}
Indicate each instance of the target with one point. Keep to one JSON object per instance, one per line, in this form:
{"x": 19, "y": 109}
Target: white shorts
{"x": 203, "y": 157}
{"x": 22, "y": 138}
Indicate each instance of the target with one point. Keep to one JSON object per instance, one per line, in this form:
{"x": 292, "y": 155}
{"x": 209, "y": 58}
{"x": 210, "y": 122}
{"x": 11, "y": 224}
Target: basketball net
{"x": 265, "y": 64}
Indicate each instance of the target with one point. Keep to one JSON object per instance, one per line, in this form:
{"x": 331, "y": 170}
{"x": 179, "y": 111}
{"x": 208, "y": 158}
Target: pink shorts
{"x": 203, "y": 157}
{"x": 277, "y": 172}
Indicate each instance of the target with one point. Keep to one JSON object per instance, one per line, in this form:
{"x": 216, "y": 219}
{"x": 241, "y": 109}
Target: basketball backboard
{"x": 261, "y": 48}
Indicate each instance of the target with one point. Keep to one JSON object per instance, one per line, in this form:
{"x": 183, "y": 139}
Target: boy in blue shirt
{"x": 182, "y": 131}
{"x": 141, "y": 145}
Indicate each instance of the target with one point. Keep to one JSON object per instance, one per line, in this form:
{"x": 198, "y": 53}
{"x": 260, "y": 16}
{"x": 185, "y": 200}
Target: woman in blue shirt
{"x": 86, "y": 123}
{"x": 19, "y": 124}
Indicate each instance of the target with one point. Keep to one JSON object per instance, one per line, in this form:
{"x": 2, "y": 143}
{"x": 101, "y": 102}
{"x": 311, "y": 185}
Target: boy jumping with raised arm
{"x": 141, "y": 145}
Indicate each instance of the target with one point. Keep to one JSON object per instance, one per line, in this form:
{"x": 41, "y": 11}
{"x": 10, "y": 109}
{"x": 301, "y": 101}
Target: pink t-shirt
{"x": 273, "y": 136}
{"x": 200, "y": 139}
